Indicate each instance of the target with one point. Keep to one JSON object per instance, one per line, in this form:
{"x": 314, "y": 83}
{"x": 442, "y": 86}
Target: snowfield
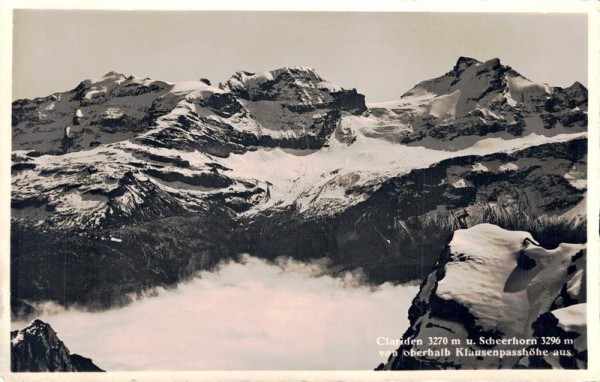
{"x": 295, "y": 176}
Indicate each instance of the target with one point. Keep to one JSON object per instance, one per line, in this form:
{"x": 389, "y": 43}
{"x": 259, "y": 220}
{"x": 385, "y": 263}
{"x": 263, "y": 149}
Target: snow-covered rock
{"x": 491, "y": 291}
{"x": 117, "y": 183}
{"x": 566, "y": 330}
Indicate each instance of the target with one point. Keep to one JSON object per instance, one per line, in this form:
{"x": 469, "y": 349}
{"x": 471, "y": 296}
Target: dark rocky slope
{"x": 37, "y": 348}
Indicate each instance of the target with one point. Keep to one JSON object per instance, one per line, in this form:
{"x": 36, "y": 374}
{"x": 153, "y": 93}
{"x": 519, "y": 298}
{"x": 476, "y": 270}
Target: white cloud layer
{"x": 247, "y": 316}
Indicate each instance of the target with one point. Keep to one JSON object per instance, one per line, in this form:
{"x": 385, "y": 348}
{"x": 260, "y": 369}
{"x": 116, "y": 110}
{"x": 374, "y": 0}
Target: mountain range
{"x": 124, "y": 184}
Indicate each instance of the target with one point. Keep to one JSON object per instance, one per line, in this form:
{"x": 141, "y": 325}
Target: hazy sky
{"x": 381, "y": 54}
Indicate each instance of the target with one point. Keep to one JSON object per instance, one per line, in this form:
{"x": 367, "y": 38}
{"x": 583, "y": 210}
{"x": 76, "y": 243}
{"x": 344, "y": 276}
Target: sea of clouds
{"x": 247, "y": 315}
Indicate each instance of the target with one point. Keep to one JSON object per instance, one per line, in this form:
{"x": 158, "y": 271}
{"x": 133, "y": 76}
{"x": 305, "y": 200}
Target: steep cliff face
{"x": 38, "y": 348}
{"x": 493, "y": 290}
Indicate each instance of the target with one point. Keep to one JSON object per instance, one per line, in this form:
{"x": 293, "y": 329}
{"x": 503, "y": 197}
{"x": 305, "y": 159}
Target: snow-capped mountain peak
{"x": 472, "y": 77}
{"x": 482, "y": 98}
{"x": 35, "y": 328}
{"x": 243, "y": 79}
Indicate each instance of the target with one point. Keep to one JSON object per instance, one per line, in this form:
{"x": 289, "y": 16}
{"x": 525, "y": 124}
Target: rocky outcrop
{"x": 490, "y": 300}
{"x": 37, "y": 348}
{"x": 296, "y": 88}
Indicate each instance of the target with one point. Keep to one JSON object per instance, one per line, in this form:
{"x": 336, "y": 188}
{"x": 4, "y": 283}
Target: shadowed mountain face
{"x": 124, "y": 184}
{"x": 38, "y": 348}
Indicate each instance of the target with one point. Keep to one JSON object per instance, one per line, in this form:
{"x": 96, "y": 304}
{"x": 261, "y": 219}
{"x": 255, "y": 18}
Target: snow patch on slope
{"x": 196, "y": 89}
{"x": 444, "y": 107}
{"x": 508, "y": 167}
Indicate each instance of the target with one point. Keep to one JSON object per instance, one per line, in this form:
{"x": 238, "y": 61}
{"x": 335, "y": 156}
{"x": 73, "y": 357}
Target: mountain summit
{"x": 288, "y": 107}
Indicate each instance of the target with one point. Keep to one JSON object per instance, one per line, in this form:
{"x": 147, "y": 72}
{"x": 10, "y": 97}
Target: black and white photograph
{"x": 269, "y": 190}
